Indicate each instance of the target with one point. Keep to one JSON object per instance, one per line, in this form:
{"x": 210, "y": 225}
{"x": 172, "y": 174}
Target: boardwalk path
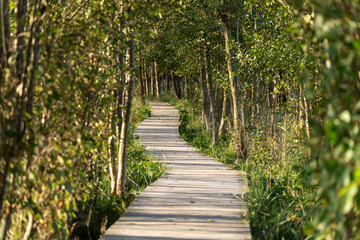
{"x": 197, "y": 198}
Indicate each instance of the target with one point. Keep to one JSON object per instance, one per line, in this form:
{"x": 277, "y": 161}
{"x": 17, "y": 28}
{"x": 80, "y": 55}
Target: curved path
{"x": 198, "y": 198}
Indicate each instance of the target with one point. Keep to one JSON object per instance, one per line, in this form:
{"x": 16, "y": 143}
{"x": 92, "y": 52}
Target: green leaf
{"x": 347, "y": 195}
{"x": 345, "y": 116}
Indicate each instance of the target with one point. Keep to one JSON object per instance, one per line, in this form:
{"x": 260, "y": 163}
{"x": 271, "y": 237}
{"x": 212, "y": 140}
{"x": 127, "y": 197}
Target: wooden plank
{"x": 198, "y": 198}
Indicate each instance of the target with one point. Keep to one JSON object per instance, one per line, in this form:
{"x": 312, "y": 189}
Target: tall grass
{"x": 98, "y": 212}
{"x": 280, "y": 200}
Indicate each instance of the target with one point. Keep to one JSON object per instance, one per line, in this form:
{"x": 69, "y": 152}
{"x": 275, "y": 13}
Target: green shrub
{"x": 280, "y": 200}
{"x": 100, "y": 209}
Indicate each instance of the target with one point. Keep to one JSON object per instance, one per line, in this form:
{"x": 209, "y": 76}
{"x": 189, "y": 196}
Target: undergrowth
{"x": 101, "y": 209}
{"x": 170, "y": 98}
{"x": 280, "y": 200}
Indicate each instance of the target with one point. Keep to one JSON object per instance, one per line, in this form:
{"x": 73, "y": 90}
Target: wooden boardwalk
{"x": 198, "y": 198}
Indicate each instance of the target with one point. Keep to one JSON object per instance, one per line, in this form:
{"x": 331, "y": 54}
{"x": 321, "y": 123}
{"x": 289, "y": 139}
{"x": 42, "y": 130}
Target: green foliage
{"x": 56, "y": 141}
{"x": 57, "y": 98}
{"x": 332, "y": 29}
{"x": 170, "y": 98}
{"x": 139, "y": 113}
{"x": 61, "y": 155}
{"x": 280, "y": 200}
{"x": 100, "y": 209}
{"x": 104, "y": 209}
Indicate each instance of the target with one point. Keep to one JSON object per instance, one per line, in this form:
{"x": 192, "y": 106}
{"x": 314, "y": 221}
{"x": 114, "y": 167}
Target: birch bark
{"x": 235, "y": 87}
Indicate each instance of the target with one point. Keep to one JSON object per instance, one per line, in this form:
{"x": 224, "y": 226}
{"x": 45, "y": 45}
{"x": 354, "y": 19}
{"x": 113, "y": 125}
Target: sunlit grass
{"x": 141, "y": 171}
{"x": 280, "y": 201}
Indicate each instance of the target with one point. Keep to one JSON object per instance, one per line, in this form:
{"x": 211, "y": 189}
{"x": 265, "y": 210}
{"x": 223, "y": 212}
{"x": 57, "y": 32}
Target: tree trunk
{"x": 205, "y": 99}
{"x": 178, "y": 86}
{"x": 307, "y": 124}
{"x": 142, "y": 84}
{"x": 35, "y": 62}
{"x": 306, "y": 110}
{"x": 275, "y": 106}
{"x": 175, "y": 86}
{"x": 301, "y": 108}
{"x": 157, "y": 81}
{"x": 258, "y": 100}
{"x": 147, "y": 79}
{"x": 5, "y": 225}
{"x": 152, "y": 78}
{"x": 112, "y": 145}
{"x": 186, "y": 87}
{"x": 182, "y": 86}
{"x": 129, "y": 83}
{"x": 112, "y": 164}
{"x": 5, "y": 43}
{"x": 235, "y": 88}
{"x": 29, "y": 227}
{"x": 5, "y": 34}
{"x": 120, "y": 94}
{"x": 214, "y": 115}
{"x": 225, "y": 112}
{"x": 167, "y": 79}
{"x": 12, "y": 146}
{"x": 35, "y": 56}
{"x": 20, "y": 38}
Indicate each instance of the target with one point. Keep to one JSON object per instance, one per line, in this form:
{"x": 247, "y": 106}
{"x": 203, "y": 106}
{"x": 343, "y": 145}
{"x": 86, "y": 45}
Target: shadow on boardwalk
{"x": 198, "y": 198}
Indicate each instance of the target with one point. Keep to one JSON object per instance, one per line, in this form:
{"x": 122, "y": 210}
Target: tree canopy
{"x": 276, "y": 82}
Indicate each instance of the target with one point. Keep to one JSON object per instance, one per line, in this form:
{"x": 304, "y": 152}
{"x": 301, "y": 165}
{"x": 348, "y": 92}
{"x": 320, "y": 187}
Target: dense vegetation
{"x": 269, "y": 86}
{"x": 98, "y": 210}
{"x": 280, "y": 203}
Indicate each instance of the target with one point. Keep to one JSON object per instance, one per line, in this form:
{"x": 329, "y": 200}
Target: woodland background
{"x": 268, "y": 86}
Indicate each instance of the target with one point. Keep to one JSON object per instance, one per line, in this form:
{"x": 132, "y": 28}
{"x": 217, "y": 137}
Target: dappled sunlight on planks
{"x": 198, "y": 198}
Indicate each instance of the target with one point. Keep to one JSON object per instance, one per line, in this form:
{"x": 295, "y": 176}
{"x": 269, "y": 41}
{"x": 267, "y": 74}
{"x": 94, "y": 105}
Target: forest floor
{"x": 198, "y": 198}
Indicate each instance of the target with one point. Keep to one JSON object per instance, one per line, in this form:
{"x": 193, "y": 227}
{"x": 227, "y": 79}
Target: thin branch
{"x": 286, "y": 6}
{"x": 78, "y": 10}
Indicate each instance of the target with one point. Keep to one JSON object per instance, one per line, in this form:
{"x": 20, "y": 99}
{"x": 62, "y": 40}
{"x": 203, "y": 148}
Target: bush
{"x": 100, "y": 209}
{"x": 280, "y": 200}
